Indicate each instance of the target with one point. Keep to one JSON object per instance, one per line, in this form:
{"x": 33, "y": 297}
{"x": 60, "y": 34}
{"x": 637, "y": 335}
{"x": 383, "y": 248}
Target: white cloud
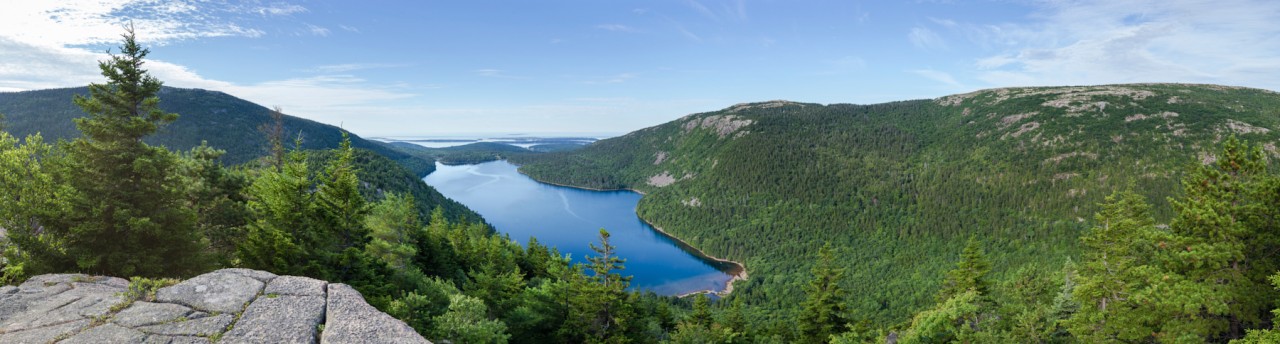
{"x": 85, "y": 22}
{"x": 734, "y": 10}
{"x": 924, "y": 38}
{"x": 617, "y": 28}
{"x": 349, "y": 67}
{"x": 939, "y": 76}
{"x": 280, "y": 9}
{"x": 43, "y": 45}
{"x": 1101, "y": 41}
{"x": 317, "y": 30}
{"x": 615, "y": 79}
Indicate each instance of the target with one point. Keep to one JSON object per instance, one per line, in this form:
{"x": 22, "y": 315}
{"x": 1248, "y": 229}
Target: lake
{"x": 570, "y": 219}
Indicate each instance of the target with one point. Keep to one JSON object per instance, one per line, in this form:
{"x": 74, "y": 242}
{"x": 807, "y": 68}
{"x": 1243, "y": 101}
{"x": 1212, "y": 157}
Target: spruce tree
{"x": 127, "y": 217}
{"x": 29, "y": 192}
{"x": 391, "y": 224}
{"x": 281, "y": 203}
{"x": 701, "y": 314}
{"x": 970, "y": 273}
{"x": 1111, "y": 284}
{"x": 339, "y": 205}
{"x": 823, "y": 310}
{"x": 600, "y": 310}
{"x": 1219, "y": 274}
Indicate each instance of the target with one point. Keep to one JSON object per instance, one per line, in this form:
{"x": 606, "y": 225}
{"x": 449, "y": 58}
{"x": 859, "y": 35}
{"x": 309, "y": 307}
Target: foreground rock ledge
{"x": 224, "y": 306}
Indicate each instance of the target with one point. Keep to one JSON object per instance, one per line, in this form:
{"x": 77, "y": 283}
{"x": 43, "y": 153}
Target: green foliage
{"x": 145, "y": 289}
{"x": 970, "y": 273}
{"x": 823, "y": 312}
{"x": 1117, "y": 262}
{"x": 379, "y": 175}
{"x": 127, "y": 215}
{"x": 899, "y": 186}
{"x": 465, "y": 322}
{"x": 472, "y": 153}
{"x": 391, "y": 224}
{"x": 953, "y": 320}
{"x": 339, "y": 206}
{"x": 1219, "y": 276}
{"x": 600, "y": 311}
{"x": 1263, "y": 336}
{"x": 217, "y": 196}
{"x": 281, "y": 204}
{"x": 222, "y": 120}
{"x": 29, "y": 193}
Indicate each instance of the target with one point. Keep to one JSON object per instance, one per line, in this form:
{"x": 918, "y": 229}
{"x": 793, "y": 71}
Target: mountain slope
{"x": 226, "y": 122}
{"x": 898, "y": 187}
{"x": 231, "y": 124}
{"x": 471, "y": 153}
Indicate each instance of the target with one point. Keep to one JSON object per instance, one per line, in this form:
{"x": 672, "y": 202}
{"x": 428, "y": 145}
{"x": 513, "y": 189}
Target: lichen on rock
{"x": 231, "y": 305}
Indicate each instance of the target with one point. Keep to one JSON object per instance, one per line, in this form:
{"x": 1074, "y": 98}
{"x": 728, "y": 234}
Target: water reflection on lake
{"x": 570, "y": 219}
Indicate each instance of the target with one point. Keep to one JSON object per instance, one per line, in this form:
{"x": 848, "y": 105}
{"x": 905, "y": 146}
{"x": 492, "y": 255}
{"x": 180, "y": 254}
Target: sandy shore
{"x": 739, "y": 273}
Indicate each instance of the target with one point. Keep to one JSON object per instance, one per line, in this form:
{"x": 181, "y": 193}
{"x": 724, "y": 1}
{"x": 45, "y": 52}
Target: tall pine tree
{"x": 1111, "y": 283}
{"x": 1219, "y": 272}
{"x": 823, "y": 312}
{"x": 128, "y": 216}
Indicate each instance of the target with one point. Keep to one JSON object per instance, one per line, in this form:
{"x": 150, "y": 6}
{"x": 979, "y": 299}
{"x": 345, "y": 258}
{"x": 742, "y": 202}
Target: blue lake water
{"x": 570, "y": 219}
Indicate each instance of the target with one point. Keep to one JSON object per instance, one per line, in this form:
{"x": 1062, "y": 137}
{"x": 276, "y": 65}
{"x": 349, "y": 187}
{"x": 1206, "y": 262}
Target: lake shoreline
{"x": 739, "y": 273}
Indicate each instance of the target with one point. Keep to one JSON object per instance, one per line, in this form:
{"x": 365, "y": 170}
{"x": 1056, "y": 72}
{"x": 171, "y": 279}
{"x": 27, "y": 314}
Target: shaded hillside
{"x": 379, "y": 175}
{"x": 898, "y": 187}
{"x": 226, "y": 122}
{"x": 471, "y": 153}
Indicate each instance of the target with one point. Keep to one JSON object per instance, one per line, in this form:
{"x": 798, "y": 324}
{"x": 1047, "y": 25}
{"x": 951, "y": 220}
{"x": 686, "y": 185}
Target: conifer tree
{"x": 282, "y": 205}
{"x": 127, "y": 217}
{"x": 465, "y": 322}
{"x": 600, "y": 310}
{"x": 339, "y": 205}
{"x": 1111, "y": 284}
{"x": 217, "y": 196}
{"x": 391, "y": 224}
{"x": 701, "y": 315}
{"x": 970, "y": 273}
{"x": 29, "y": 193}
{"x": 823, "y": 311}
{"x": 1221, "y": 286}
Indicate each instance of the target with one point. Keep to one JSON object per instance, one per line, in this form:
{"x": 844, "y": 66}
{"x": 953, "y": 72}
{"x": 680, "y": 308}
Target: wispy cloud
{"x": 1101, "y": 41}
{"x": 614, "y": 79}
{"x": 842, "y": 65}
{"x": 280, "y": 9}
{"x": 495, "y": 73}
{"x": 730, "y": 10}
{"x": 44, "y": 45}
{"x": 617, "y": 28}
{"x": 924, "y": 38}
{"x": 84, "y": 22}
{"x": 317, "y": 30}
{"x": 939, "y": 76}
{"x": 348, "y": 67}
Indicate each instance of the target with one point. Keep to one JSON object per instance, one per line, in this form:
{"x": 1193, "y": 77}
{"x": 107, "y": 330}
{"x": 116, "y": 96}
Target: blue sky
{"x": 401, "y": 68}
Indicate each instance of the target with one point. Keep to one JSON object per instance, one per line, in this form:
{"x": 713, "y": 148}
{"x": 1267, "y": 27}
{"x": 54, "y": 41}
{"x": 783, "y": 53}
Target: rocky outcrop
{"x": 224, "y": 306}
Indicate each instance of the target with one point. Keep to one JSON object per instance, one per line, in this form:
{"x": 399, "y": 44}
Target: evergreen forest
{"x": 1100, "y": 214}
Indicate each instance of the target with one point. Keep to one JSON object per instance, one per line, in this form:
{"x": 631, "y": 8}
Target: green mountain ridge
{"x": 898, "y": 187}
{"x": 231, "y": 124}
{"x": 236, "y": 122}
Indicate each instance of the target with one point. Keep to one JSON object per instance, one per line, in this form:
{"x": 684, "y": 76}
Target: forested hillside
{"x": 226, "y": 122}
{"x": 897, "y": 188}
{"x": 380, "y": 175}
{"x": 471, "y": 153}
